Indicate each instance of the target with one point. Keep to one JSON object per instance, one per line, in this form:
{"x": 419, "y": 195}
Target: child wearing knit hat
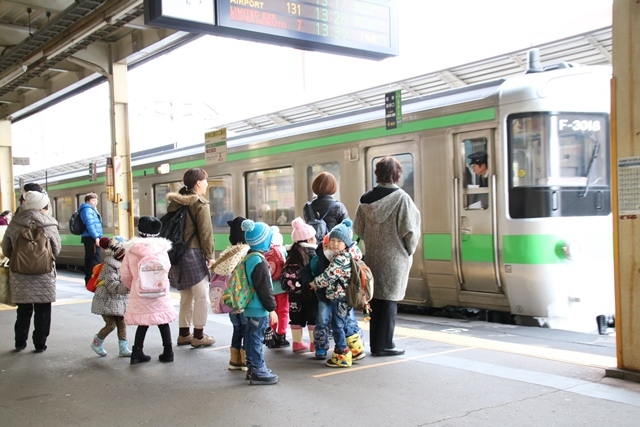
{"x": 260, "y": 311}
{"x": 111, "y": 297}
{"x": 303, "y": 304}
{"x": 335, "y": 279}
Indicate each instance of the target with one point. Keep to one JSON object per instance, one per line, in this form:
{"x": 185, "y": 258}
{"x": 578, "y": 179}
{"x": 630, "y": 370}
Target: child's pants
{"x": 110, "y": 323}
{"x": 282, "y": 310}
{"x": 253, "y": 338}
{"x": 321, "y": 332}
{"x": 239, "y": 323}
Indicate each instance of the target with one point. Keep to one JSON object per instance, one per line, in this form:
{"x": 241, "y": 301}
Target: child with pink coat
{"x": 148, "y": 306}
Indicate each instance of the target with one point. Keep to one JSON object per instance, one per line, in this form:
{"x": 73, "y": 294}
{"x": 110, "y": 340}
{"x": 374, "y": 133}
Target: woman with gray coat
{"x": 32, "y": 293}
{"x": 388, "y": 222}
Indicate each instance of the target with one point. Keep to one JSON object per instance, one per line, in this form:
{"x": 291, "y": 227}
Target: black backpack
{"x": 173, "y": 229}
{"x": 318, "y": 224}
{"x": 76, "y": 226}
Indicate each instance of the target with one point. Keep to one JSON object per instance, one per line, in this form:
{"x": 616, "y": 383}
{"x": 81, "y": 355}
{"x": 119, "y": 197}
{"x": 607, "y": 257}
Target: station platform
{"x": 454, "y": 373}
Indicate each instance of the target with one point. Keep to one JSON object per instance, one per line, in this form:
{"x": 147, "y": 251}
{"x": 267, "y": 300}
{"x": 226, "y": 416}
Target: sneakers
{"x": 205, "y": 341}
{"x": 300, "y": 347}
{"x": 321, "y": 354}
{"x": 339, "y": 360}
{"x": 185, "y": 340}
{"x": 267, "y": 379}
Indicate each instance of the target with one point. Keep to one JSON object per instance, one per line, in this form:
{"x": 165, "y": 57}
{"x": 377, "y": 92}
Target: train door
{"x": 407, "y": 153}
{"x": 475, "y": 223}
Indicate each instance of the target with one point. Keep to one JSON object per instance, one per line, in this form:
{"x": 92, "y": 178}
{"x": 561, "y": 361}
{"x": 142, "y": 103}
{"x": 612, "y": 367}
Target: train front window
{"x": 566, "y": 150}
{"x": 270, "y": 196}
{"x": 558, "y": 165}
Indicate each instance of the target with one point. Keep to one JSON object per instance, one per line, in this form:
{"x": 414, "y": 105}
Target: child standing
{"x": 260, "y": 311}
{"x": 146, "y": 257}
{"x": 303, "y": 305}
{"x": 111, "y": 297}
{"x": 282, "y": 298}
{"x": 335, "y": 280}
{"x": 228, "y": 260}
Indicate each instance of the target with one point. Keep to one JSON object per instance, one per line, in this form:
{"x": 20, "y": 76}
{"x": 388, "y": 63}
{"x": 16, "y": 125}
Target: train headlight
{"x": 571, "y": 250}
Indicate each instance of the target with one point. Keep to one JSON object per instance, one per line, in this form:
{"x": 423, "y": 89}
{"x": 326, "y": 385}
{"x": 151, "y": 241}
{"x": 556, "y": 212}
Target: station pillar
{"x": 625, "y": 144}
{"x": 121, "y": 151}
{"x": 7, "y": 198}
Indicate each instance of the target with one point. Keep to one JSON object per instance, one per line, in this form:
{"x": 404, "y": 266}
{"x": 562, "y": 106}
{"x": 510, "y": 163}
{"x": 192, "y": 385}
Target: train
{"x": 536, "y": 242}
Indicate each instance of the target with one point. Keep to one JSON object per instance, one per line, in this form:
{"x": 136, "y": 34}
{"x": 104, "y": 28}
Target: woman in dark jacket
{"x": 325, "y": 186}
{"x": 191, "y": 275}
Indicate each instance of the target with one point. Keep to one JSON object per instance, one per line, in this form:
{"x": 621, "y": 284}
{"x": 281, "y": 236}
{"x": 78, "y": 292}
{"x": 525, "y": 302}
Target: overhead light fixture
{"x": 8, "y": 78}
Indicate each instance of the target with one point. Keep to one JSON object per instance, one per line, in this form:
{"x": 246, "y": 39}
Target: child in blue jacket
{"x": 260, "y": 311}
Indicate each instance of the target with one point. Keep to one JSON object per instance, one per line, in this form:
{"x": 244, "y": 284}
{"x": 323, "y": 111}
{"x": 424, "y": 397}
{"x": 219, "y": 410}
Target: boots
{"x": 167, "y": 355}
{"x": 123, "y": 345}
{"x": 243, "y": 360}
{"x": 281, "y": 340}
{"x": 96, "y": 345}
{"x": 356, "y": 346}
{"x": 235, "y": 362}
{"x": 137, "y": 356}
{"x": 298, "y": 345}
{"x": 340, "y": 360}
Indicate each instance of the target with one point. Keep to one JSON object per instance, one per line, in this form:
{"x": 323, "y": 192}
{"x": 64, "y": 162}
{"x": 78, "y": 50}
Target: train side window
{"x": 160, "y": 196}
{"x": 270, "y": 196}
{"x": 406, "y": 180}
{"x": 63, "y": 210}
{"x": 220, "y": 200}
{"x": 106, "y": 211}
{"x": 476, "y": 185}
{"x": 313, "y": 171}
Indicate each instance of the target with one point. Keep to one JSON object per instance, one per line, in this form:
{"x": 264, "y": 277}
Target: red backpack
{"x": 275, "y": 259}
{"x": 95, "y": 280}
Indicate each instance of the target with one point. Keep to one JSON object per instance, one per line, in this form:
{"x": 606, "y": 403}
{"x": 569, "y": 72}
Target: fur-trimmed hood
{"x": 186, "y": 199}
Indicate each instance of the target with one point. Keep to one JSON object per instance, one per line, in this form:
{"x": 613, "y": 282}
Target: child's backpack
{"x": 222, "y": 270}
{"x": 76, "y": 226}
{"x": 95, "y": 280}
{"x": 153, "y": 277}
{"x": 275, "y": 259}
{"x": 239, "y": 292}
{"x": 318, "y": 224}
{"x": 173, "y": 229}
{"x": 32, "y": 253}
{"x": 290, "y": 279}
{"x": 360, "y": 289}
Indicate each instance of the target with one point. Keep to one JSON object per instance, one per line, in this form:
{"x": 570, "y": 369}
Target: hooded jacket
{"x": 146, "y": 311}
{"x": 390, "y": 229}
{"x": 112, "y": 296}
{"x": 199, "y": 207}
{"x": 32, "y": 288}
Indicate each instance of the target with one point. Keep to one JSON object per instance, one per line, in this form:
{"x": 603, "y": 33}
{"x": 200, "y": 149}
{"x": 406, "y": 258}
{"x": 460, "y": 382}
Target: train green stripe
{"x": 437, "y": 247}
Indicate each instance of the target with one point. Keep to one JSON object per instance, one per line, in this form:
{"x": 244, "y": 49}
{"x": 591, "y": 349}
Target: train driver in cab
{"x": 478, "y": 162}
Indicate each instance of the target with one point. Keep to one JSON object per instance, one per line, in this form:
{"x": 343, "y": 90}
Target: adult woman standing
{"x": 5, "y": 217}
{"x": 191, "y": 275}
{"x": 388, "y": 222}
{"x": 32, "y": 293}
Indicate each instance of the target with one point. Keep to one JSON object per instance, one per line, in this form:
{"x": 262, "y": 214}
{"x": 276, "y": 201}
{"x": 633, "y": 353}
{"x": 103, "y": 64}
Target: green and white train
{"x": 537, "y": 242}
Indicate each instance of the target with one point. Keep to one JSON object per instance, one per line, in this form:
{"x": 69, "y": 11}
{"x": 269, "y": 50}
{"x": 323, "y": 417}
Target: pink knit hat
{"x": 301, "y": 230}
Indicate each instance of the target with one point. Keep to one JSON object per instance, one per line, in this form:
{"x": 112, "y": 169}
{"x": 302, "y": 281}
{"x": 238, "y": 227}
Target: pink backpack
{"x": 275, "y": 259}
{"x": 153, "y": 277}
{"x": 217, "y": 286}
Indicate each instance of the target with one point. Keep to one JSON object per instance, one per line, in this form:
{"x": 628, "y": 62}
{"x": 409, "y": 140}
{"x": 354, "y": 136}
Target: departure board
{"x": 361, "y": 28}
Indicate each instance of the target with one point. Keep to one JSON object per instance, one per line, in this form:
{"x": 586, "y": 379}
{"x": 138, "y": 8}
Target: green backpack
{"x": 239, "y": 291}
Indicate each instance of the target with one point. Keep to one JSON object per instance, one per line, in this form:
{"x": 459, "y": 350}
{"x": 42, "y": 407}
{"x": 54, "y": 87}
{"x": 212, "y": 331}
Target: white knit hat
{"x": 36, "y": 200}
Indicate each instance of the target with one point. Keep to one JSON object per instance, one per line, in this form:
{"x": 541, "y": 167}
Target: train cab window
{"x": 160, "y": 192}
{"x": 476, "y": 176}
{"x": 64, "y": 208}
{"x": 558, "y": 164}
{"x": 406, "y": 180}
{"x": 315, "y": 169}
{"x": 270, "y": 196}
{"x": 220, "y": 200}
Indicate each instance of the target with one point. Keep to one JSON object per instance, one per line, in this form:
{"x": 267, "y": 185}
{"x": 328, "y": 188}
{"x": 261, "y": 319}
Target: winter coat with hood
{"x": 388, "y": 222}
{"x": 337, "y": 276}
{"x": 32, "y": 288}
{"x": 112, "y": 296}
{"x": 92, "y": 221}
{"x": 193, "y": 268}
{"x": 146, "y": 311}
{"x": 321, "y": 204}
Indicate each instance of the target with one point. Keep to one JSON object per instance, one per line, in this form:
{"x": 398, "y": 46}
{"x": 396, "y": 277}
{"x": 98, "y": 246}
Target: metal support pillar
{"x": 625, "y": 143}
{"x": 121, "y": 151}
{"x": 7, "y": 198}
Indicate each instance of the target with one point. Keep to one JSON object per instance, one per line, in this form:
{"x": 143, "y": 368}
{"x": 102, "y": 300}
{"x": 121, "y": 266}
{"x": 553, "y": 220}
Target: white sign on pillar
{"x": 215, "y": 146}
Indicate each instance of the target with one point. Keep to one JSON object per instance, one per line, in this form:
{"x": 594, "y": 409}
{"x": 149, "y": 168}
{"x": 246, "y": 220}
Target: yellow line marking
{"x": 393, "y": 362}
